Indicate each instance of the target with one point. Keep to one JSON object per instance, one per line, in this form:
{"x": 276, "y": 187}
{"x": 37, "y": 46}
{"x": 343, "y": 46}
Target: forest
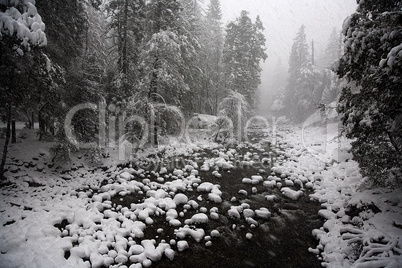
{"x": 129, "y": 54}
{"x": 133, "y": 129}
{"x": 126, "y": 53}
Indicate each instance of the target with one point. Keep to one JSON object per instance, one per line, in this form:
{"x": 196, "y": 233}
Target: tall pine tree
{"x": 243, "y": 51}
{"x": 191, "y": 29}
{"x": 127, "y": 28}
{"x": 212, "y": 69}
{"x": 21, "y": 33}
{"x": 166, "y": 48}
{"x": 332, "y": 51}
{"x": 303, "y": 92}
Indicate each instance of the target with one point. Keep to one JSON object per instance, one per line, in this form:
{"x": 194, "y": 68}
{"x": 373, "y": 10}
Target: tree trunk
{"x": 29, "y": 118}
{"x": 152, "y": 97}
{"x": 42, "y": 121}
{"x": 42, "y": 128}
{"x": 33, "y": 120}
{"x": 3, "y": 160}
{"x": 216, "y": 104}
{"x": 125, "y": 37}
{"x": 13, "y": 132}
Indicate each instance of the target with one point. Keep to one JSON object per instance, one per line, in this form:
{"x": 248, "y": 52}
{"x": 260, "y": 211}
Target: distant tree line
{"x": 365, "y": 79}
{"x": 311, "y": 83}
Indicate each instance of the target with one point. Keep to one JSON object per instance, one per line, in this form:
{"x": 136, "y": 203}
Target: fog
{"x": 281, "y": 20}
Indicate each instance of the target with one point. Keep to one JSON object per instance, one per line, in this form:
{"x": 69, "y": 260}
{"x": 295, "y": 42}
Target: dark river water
{"x": 280, "y": 241}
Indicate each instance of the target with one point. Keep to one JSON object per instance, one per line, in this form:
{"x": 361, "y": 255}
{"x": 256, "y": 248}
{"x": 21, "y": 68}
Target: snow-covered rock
{"x": 263, "y": 213}
{"x": 180, "y": 199}
{"x": 214, "y": 198}
{"x": 196, "y": 234}
{"x": 199, "y": 218}
{"x": 182, "y": 245}
{"x": 291, "y": 194}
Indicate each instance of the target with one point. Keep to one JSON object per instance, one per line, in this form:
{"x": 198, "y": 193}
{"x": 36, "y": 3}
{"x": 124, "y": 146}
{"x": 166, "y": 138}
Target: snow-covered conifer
{"x": 372, "y": 102}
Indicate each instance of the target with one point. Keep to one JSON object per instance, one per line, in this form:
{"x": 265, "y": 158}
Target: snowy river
{"x": 238, "y": 219}
{"x": 203, "y": 205}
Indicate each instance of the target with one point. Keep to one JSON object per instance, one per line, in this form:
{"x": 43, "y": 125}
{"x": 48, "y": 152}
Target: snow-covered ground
{"x": 63, "y": 215}
{"x": 363, "y": 226}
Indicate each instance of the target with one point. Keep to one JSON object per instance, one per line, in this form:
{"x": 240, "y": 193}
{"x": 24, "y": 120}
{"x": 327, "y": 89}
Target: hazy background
{"x": 282, "y": 19}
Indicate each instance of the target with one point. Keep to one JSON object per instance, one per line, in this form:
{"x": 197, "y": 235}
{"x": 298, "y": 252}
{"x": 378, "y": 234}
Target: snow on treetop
{"x": 26, "y": 26}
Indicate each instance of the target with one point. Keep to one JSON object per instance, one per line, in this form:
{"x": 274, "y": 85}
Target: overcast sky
{"x": 283, "y": 18}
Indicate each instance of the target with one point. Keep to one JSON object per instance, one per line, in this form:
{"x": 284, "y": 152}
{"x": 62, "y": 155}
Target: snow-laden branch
{"x": 21, "y": 19}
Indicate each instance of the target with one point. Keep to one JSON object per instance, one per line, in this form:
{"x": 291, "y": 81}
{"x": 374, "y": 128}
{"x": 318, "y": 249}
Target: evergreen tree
{"x": 328, "y": 81}
{"x": 308, "y": 88}
{"x": 161, "y": 57}
{"x": 83, "y": 68}
{"x": 127, "y": 28}
{"x": 372, "y": 109}
{"x": 21, "y": 32}
{"x": 332, "y": 51}
{"x": 65, "y": 26}
{"x": 162, "y": 62}
{"x": 257, "y": 54}
{"x": 278, "y": 85}
{"x": 212, "y": 68}
{"x": 34, "y": 68}
{"x": 299, "y": 55}
{"x": 165, "y": 49}
{"x": 191, "y": 28}
{"x": 299, "y": 91}
{"x": 243, "y": 50}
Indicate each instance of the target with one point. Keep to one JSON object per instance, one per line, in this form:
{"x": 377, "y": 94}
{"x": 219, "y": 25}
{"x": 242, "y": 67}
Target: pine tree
{"x": 192, "y": 27}
{"x": 299, "y": 55}
{"x": 372, "y": 109}
{"x": 127, "y": 27}
{"x": 165, "y": 49}
{"x": 278, "y": 85}
{"x": 65, "y": 27}
{"x": 297, "y": 96}
{"x": 243, "y": 50}
{"x": 332, "y": 51}
{"x": 211, "y": 64}
{"x": 33, "y": 67}
{"x": 83, "y": 68}
{"x": 257, "y": 54}
{"x": 21, "y": 33}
